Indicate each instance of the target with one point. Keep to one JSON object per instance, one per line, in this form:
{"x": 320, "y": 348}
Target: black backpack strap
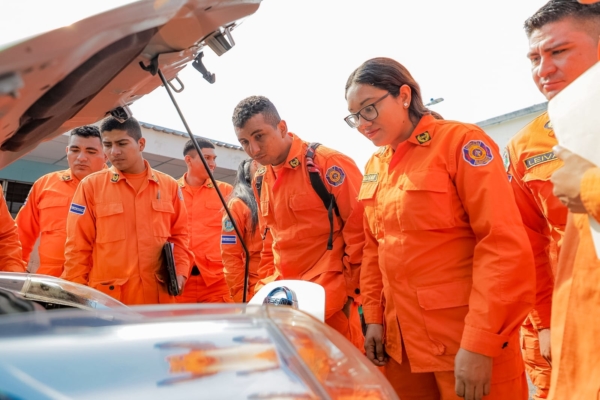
{"x": 258, "y": 185}
{"x": 316, "y": 182}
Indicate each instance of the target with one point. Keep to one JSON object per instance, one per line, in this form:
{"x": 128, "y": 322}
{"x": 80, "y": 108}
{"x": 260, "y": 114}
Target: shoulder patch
{"x": 77, "y": 209}
{"x": 228, "y": 239}
{"x": 335, "y": 176}
{"x": 423, "y": 137}
{"x": 227, "y": 225}
{"x": 115, "y": 178}
{"x": 506, "y": 159}
{"x": 294, "y": 162}
{"x": 539, "y": 159}
{"x": 477, "y": 153}
{"x": 371, "y": 178}
{"x": 261, "y": 170}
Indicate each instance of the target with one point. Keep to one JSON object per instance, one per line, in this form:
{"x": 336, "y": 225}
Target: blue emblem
{"x": 77, "y": 209}
{"x": 477, "y": 153}
{"x": 228, "y": 239}
{"x": 335, "y": 176}
{"x": 228, "y": 225}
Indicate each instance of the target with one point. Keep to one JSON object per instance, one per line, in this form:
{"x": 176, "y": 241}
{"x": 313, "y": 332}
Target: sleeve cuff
{"x": 482, "y": 342}
{"x": 590, "y": 192}
{"x": 373, "y": 314}
{"x": 540, "y": 316}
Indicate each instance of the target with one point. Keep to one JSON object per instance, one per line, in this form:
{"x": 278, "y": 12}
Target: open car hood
{"x": 74, "y": 75}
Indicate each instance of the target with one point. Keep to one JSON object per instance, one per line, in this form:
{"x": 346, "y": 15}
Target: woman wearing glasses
{"x": 447, "y": 275}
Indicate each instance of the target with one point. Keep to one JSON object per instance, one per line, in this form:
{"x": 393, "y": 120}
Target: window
{"x": 15, "y": 194}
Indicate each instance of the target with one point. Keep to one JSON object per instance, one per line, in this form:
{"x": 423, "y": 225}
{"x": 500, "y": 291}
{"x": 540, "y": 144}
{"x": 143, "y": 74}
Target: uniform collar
{"x": 116, "y": 175}
{"x": 183, "y": 183}
{"x": 294, "y": 158}
{"x": 424, "y": 132}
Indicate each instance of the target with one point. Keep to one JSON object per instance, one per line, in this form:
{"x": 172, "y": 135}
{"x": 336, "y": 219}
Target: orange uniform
{"x": 446, "y": 262}
{"x": 234, "y": 257}
{"x": 11, "y": 259}
{"x": 207, "y": 283}
{"x": 45, "y": 211}
{"x": 298, "y": 222}
{"x": 575, "y": 322}
{"x": 530, "y": 162}
{"x": 115, "y": 236}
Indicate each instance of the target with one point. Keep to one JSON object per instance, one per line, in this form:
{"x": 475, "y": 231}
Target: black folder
{"x": 169, "y": 269}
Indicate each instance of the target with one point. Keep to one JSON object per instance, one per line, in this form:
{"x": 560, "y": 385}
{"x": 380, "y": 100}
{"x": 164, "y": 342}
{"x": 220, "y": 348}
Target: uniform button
{"x": 505, "y": 345}
{"x": 357, "y": 291}
{"x": 111, "y": 287}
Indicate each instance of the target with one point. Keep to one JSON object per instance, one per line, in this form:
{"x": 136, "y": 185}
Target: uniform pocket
{"x": 53, "y": 212}
{"x": 161, "y": 218}
{"x": 112, "y": 287}
{"x": 163, "y": 293}
{"x": 215, "y": 213}
{"x": 309, "y": 216}
{"x": 426, "y": 203}
{"x": 444, "y": 308}
{"x": 109, "y": 220}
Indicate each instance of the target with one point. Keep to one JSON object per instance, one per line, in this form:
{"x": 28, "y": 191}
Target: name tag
{"x": 539, "y": 159}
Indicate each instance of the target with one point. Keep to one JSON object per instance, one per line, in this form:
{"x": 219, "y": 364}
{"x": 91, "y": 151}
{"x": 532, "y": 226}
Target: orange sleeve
{"x": 28, "y": 222}
{"x": 232, "y": 253}
{"x": 371, "y": 280}
{"x": 590, "y": 192}
{"x": 538, "y": 231}
{"x": 503, "y": 289}
{"x": 11, "y": 259}
{"x": 351, "y": 213}
{"x": 179, "y": 235}
{"x": 81, "y": 235}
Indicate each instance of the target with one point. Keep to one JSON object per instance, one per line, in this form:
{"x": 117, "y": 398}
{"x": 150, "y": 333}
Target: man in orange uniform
{"x": 563, "y": 39}
{"x": 47, "y": 205}
{"x": 576, "y": 302}
{"x": 11, "y": 259}
{"x": 119, "y": 220}
{"x": 296, "y": 216}
{"x": 206, "y": 283}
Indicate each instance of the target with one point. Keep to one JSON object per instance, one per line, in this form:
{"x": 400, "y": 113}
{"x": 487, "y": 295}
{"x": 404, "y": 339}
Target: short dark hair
{"x": 131, "y": 126}
{"x": 87, "y": 131}
{"x": 556, "y": 10}
{"x": 254, "y": 105}
{"x": 202, "y": 143}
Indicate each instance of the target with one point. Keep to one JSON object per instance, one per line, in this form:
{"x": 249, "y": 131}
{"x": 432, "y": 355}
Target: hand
{"x": 567, "y": 180}
{"x": 544, "y": 339}
{"x": 374, "y": 345}
{"x": 346, "y": 309}
{"x": 473, "y": 374}
{"x": 181, "y": 282}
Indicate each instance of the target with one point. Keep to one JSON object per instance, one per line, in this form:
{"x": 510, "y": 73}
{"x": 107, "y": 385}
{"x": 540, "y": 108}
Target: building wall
{"x": 503, "y": 127}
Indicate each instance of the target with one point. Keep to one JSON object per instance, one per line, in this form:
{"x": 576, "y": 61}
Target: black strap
{"x": 258, "y": 185}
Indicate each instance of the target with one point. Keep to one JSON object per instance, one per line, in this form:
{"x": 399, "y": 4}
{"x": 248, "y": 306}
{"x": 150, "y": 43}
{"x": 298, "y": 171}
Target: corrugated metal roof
{"x": 515, "y": 114}
{"x": 183, "y": 134}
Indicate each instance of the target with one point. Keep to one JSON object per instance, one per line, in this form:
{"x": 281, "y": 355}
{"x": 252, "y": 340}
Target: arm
{"x": 179, "y": 235}
{"x": 232, "y": 254}
{"x": 590, "y": 192}
{"x": 10, "y": 248}
{"x": 81, "y": 235}
{"x": 28, "y": 223}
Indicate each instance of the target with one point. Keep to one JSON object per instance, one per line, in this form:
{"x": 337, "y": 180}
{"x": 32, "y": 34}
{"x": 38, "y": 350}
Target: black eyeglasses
{"x": 368, "y": 113}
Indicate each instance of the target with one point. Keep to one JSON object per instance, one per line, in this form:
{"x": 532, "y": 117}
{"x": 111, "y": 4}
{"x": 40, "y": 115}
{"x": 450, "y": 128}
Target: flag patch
{"x": 77, "y": 209}
{"x": 228, "y": 239}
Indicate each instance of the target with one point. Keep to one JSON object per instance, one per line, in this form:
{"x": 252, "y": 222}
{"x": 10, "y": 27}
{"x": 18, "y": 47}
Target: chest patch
{"x": 371, "y": 178}
{"x": 477, "y": 153}
{"x": 539, "y": 159}
{"x": 77, "y": 209}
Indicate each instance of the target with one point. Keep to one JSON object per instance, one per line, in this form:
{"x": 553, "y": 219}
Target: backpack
{"x": 316, "y": 182}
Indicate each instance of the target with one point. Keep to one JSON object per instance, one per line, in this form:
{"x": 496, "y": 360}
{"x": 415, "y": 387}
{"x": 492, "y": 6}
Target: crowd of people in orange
{"x": 471, "y": 267}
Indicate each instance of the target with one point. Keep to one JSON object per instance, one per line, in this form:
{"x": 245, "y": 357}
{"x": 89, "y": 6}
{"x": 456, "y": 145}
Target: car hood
{"x": 58, "y": 79}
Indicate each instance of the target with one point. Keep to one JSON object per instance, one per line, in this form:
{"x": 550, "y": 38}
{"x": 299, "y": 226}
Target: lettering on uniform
{"x": 77, "y": 209}
{"x": 228, "y": 239}
{"x": 227, "y": 225}
{"x": 335, "y": 176}
{"x": 371, "y": 178}
{"x": 294, "y": 162}
{"x": 423, "y": 137}
{"x": 539, "y": 159}
{"x": 115, "y": 178}
{"x": 477, "y": 153}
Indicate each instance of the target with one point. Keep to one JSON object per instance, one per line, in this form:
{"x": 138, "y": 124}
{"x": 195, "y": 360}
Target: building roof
{"x": 183, "y": 134}
{"x": 515, "y": 114}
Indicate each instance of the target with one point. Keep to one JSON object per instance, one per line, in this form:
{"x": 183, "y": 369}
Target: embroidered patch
{"x": 228, "y": 239}
{"x": 423, "y": 137}
{"x": 539, "y": 159}
{"x": 179, "y": 194}
{"x": 210, "y": 185}
{"x": 66, "y": 178}
{"x": 154, "y": 178}
{"x": 548, "y": 125}
{"x": 335, "y": 176}
{"x": 506, "y": 159}
{"x": 227, "y": 225}
{"x": 261, "y": 170}
{"x": 294, "y": 162}
{"x": 371, "y": 178}
{"x": 477, "y": 153}
{"x": 115, "y": 178}
{"x": 77, "y": 209}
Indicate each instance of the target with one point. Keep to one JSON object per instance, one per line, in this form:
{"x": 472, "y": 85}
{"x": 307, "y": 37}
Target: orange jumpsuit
{"x": 576, "y": 305}
{"x": 11, "y": 259}
{"x": 446, "y": 262}
{"x": 530, "y": 162}
{"x": 206, "y": 283}
{"x": 45, "y": 211}
{"x": 299, "y": 225}
{"x": 115, "y": 236}
{"x": 234, "y": 257}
